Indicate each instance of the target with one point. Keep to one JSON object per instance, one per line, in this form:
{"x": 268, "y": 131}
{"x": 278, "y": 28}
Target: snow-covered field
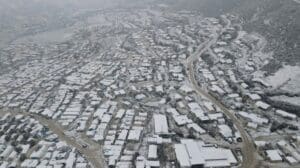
{"x": 298, "y": 1}
{"x": 287, "y": 78}
{"x": 292, "y": 100}
{"x": 293, "y": 85}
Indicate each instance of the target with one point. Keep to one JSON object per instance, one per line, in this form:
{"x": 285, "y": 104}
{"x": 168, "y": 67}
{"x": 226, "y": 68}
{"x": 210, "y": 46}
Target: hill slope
{"x": 278, "y": 20}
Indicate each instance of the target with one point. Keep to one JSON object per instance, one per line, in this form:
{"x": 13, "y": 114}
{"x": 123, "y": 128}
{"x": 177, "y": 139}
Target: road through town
{"x": 92, "y": 153}
{"x": 248, "y": 148}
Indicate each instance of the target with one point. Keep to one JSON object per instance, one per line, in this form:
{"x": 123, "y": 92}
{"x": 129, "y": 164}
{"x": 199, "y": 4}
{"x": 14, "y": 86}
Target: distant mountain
{"x": 279, "y": 21}
{"x": 19, "y": 18}
{"x": 25, "y": 17}
{"x": 212, "y": 8}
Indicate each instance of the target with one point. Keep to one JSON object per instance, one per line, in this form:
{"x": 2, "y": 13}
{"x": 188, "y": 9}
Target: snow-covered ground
{"x": 293, "y": 85}
{"x": 54, "y": 36}
{"x": 298, "y": 1}
{"x": 287, "y": 78}
{"x": 292, "y": 100}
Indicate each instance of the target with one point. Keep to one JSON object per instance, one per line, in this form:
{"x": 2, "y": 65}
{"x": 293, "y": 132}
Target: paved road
{"x": 248, "y": 149}
{"x": 93, "y": 153}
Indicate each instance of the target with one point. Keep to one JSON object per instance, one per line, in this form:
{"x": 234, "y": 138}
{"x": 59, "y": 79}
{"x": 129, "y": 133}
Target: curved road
{"x": 92, "y": 153}
{"x": 248, "y": 148}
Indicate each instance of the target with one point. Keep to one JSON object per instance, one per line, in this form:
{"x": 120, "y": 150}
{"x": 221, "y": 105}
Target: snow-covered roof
{"x": 285, "y": 114}
{"x": 186, "y": 88}
{"x": 123, "y": 135}
{"x": 254, "y": 117}
{"x": 196, "y": 109}
{"x": 254, "y": 96}
{"x": 30, "y": 163}
{"x": 182, "y": 120}
{"x": 120, "y": 113}
{"x": 134, "y": 134}
{"x": 173, "y": 111}
{"x": 191, "y": 152}
{"x": 217, "y": 89}
{"x": 197, "y": 128}
{"x": 274, "y": 155}
{"x": 160, "y": 124}
{"x": 225, "y": 130}
{"x": 152, "y": 152}
{"x": 262, "y": 105}
{"x": 209, "y": 106}
{"x": 182, "y": 155}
